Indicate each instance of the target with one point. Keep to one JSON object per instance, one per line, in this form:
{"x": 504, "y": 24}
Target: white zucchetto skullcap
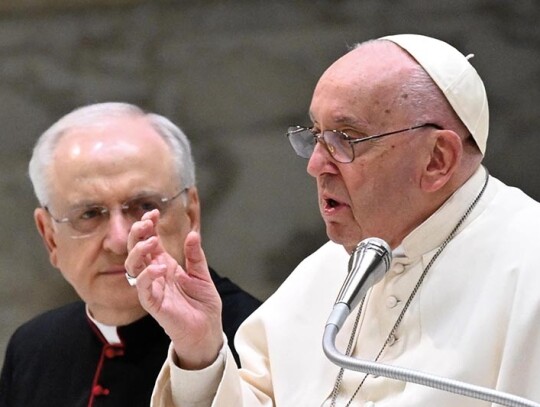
{"x": 455, "y": 76}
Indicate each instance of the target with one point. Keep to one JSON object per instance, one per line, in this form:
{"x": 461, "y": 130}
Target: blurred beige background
{"x": 233, "y": 75}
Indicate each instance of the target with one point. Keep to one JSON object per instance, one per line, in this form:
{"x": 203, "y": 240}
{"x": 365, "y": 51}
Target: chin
{"x": 344, "y": 237}
{"x": 125, "y": 297}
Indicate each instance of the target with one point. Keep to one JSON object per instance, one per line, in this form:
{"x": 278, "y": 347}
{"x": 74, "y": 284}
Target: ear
{"x": 193, "y": 209}
{"x": 445, "y": 156}
{"x": 45, "y": 228}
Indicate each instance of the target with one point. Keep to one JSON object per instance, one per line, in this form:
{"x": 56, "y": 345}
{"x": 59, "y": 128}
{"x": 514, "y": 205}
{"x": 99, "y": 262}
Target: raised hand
{"x": 184, "y": 301}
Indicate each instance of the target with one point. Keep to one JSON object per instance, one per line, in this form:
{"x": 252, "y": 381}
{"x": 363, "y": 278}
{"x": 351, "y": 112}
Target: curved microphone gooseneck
{"x": 367, "y": 266}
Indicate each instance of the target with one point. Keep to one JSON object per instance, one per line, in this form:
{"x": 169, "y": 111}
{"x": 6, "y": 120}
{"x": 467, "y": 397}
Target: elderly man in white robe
{"x": 398, "y": 134}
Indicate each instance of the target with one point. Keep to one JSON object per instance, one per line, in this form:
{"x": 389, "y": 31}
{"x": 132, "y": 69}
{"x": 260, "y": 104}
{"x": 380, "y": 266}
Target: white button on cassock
{"x": 398, "y": 268}
{"x": 392, "y": 340}
{"x": 391, "y": 301}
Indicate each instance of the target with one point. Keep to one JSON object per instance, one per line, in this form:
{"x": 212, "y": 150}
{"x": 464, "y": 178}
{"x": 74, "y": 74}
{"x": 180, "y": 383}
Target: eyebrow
{"x": 87, "y": 203}
{"x": 83, "y": 204}
{"x": 344, "y": 119}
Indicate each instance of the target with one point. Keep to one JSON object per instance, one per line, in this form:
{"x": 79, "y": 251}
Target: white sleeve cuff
{"x": 196, "y": 388}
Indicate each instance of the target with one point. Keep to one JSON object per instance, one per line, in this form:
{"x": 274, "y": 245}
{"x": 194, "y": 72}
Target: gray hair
{"x": 88, "y": 116}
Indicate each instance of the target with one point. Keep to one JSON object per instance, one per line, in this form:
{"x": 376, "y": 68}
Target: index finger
{"x": 140, "y": 256}
{"x": 143, "y": 229}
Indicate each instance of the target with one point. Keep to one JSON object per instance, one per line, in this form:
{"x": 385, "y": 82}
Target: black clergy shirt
{"x": 60, "y": 358}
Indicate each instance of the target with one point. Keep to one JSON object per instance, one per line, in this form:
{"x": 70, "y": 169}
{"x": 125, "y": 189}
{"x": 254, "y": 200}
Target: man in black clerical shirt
{"x": 96, "y": 171}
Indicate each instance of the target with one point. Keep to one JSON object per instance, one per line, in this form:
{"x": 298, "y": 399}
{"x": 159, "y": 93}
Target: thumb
{"x": 196, "y": 264}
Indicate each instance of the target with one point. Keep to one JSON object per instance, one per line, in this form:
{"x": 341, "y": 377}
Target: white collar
{"x": 109, "y": 332}
{"x": 432, "y": 232}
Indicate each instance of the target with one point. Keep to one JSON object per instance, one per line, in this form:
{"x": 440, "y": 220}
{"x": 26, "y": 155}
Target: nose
{"x": 118, "y": 229}
{"x": 320, "y": 161}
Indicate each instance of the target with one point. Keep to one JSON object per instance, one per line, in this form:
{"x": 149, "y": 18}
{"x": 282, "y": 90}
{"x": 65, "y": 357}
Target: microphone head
{"x": 368, "y": 264}
{"x": 372, "y": 246}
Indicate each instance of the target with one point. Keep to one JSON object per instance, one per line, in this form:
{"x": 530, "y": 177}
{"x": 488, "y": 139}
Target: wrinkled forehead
{"x": 367, "y": 79}
{"x": 127, "y": 154}
{"x": 122, "y": 136}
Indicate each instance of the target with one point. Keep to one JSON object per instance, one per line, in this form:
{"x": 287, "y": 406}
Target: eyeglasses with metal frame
{"x": 85, "y": 220}
{"x": 338, "y": 144}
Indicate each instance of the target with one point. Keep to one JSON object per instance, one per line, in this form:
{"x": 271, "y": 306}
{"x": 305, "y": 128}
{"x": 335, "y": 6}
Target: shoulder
{"x": 51, "y": 323}
{"x": 35, "y": 343}
{"x": 320, "y": 273}
{"x": 232, "y": 295}
{"x": 515, "y": 214}
{"x": 513, "y": 199}
{"x": 237, "y": 306}
{"x": 329, "y": 257}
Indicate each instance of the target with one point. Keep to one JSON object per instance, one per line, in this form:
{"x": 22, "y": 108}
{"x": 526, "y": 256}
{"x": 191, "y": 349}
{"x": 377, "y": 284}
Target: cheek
{"x": 372, "y": 184}
{"x": 75, "y": 259}
{"x": 360, "y": 181}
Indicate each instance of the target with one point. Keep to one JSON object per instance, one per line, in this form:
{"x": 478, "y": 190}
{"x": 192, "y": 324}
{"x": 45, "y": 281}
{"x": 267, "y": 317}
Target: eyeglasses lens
{"x": 338, "y": 146}
{"x": 302, "y": 140}
{"x": 88, "y": 220}
{"x": 137, "y": 207}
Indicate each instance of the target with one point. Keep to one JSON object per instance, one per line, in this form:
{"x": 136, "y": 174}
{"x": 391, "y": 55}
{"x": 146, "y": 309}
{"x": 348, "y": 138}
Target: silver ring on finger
{"x": 132, "y": 281}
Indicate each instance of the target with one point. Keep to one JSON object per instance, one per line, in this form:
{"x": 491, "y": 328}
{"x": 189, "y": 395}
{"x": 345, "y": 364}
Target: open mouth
{"x": 332, "y": 203}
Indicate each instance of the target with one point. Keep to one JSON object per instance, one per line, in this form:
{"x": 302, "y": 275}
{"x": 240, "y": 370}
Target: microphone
{"x": 367, "y": 266}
